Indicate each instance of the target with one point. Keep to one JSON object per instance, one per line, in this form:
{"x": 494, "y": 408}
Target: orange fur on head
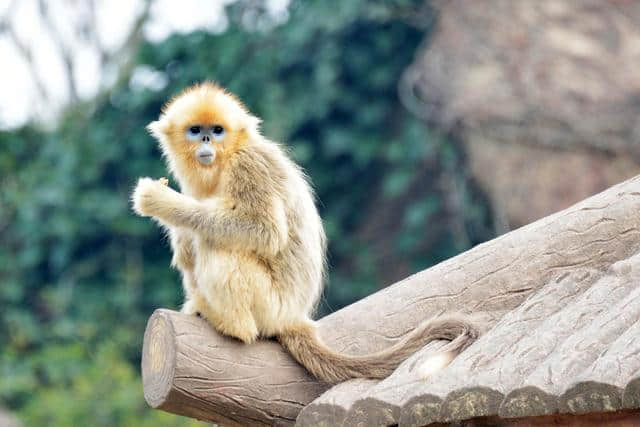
{"x": 204, "y": 104}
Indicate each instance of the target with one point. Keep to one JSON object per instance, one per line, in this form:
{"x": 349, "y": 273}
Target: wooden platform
{"x": 561, "y": 297}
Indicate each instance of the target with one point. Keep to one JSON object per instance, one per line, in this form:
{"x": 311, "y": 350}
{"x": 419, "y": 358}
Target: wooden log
{"x": 333, "y": 406}
{"x": 191, "y": 370}
{"x": 631, "y": 396}
{"x": 527, "y": 365}
{"x": 593, "y": 366}
{"x": 461, "y": 391}
{"x": 381, "y": 403}
{"x": 567, "y": 345}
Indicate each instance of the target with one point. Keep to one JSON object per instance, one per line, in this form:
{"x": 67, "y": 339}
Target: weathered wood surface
{"x": 191, "y": 370}
{"x": 573, "y": 347}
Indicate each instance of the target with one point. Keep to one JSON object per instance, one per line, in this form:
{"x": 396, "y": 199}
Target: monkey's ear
{"x": 157, "y": 128}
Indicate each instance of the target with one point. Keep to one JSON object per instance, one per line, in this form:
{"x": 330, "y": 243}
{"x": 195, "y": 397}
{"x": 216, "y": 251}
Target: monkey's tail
{"x": 304, "y": 344}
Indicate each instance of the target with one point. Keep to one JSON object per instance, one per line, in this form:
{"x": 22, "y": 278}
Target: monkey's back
{"x": 298, "y": 270}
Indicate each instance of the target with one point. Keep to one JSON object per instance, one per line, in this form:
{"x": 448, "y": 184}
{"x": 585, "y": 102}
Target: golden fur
{"x": 249, "y": 242}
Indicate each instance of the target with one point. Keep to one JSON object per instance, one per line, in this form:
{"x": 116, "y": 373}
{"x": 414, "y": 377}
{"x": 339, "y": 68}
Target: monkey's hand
{"x": 150, "y": 196}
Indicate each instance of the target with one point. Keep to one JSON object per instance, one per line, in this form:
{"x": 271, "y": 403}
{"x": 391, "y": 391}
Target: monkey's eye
{"x": 218, "y": 132}
{"x": 194, "y": 130}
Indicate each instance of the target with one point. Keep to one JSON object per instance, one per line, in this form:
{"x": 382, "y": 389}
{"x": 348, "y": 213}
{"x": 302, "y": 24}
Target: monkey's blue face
{"x": 205, "y": 135}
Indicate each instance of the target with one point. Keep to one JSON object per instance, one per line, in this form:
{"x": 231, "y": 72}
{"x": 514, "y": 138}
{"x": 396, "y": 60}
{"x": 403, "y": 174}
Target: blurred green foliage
{"x": 80, "y": 274}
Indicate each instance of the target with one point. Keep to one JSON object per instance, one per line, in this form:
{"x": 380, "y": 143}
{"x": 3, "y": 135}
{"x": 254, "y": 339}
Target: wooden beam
{"x": 189, "y": 369}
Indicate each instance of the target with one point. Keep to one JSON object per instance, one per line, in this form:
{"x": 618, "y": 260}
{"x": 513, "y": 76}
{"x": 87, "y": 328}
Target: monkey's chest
{"x": 220, "y": 269}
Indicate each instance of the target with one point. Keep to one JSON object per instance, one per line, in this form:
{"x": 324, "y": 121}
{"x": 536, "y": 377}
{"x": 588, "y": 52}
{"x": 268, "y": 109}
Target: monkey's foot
{"x": 246, "y": 336}
{"x": 189, "y": 307}
{"x": 241, "y": 328}
{"x": 194, "y": 304}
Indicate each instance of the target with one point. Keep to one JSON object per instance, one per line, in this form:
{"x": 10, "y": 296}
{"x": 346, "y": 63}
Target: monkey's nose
{"x": 206, "y": 138}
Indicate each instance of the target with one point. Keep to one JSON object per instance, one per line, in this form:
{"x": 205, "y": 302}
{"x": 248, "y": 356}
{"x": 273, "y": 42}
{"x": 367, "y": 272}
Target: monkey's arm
{"x": 226, "y": 223}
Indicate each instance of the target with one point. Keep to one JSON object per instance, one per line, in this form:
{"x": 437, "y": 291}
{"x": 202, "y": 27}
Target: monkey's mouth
{"x": 205, "y": 155}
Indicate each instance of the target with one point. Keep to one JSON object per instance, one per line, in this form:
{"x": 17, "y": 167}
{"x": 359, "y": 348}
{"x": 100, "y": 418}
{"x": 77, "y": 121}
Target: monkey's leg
{"x": 194, "y": 305}
{"x": 192, "y": 295}
{"x": 236, "y": 323}
{"x": 228, "y": 310}
{"x": 184, "y": 260}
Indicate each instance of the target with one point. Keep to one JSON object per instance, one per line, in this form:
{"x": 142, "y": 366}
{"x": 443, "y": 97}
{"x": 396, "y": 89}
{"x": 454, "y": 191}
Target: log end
{"x": 631, "y": 396}
{"x": 470, "y": 402}
{"x": 374, "y": 413}
{"x": 591, "y": 396}
{"x": 528, "y": 401}
{"x": 158, "y": 359}
{"x": 421, "y": 410}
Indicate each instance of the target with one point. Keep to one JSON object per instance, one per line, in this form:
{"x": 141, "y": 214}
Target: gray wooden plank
{"x": 380, "y": 405}
{"x": 599, "y": 318}
{"x": 502, "y": 373}
{"x": 631, "y": 395}
{"x": 475, "y": 383}
{"x": 601, "y": 387}
{"x": 331, "y": 407}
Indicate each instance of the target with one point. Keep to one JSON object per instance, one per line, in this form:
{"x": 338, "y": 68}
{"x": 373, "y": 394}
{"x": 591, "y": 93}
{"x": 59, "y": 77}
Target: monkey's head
{"x": 198, "y": 130}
